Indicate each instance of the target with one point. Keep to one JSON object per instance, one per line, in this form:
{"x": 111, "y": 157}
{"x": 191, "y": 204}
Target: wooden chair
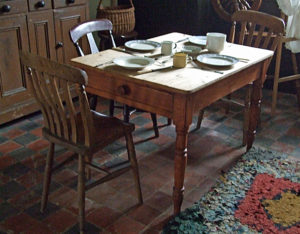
{"x": 102, "y": 25}
{"x": 75, "y": 126}
{"x": 277, "y": 79}
{"x": 254, "y": 29}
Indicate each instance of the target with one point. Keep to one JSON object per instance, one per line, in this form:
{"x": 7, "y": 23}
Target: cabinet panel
{"x": 13, "y": 37}
{"x": 41, "y": 33}
{"x": 64, "y": 20}
{"x": 35, "y": 26}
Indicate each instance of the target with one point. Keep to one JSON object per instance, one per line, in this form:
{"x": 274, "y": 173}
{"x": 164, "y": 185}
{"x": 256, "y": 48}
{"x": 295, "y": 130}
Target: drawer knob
{"x": 40, "y": 4}
{"x": 123, "y": 90}
{"x": 59, "y": 45}
{"x": 6, "y": 8}
{"x": 71, "y": 1}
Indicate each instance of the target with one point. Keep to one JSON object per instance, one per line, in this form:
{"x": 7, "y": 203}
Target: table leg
{"x": 179, "y": 166}
{"x": 254, "y": 111}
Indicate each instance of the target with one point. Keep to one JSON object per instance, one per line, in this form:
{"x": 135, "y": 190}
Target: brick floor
{"x": 112, "y": 207}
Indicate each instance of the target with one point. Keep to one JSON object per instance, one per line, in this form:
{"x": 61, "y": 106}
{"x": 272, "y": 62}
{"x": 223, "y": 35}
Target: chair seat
{"x": 106, "y": 129}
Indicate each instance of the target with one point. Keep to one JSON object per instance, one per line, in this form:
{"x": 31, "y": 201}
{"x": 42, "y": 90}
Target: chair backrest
{"x": 256, "y": 29}
{"x": 87, "y": 28}
{"x": 226, "y": 8}
{"x": 52, "y": 85}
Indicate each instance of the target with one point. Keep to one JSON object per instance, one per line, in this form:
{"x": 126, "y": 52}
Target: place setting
{"x": 203, "y": 52}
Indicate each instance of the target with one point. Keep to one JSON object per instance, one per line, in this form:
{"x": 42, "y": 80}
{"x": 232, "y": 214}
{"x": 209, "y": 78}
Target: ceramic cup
{"x": 179, "y": 60}
{"x": 215, "y": 42}
{"x": 167, "y": 47}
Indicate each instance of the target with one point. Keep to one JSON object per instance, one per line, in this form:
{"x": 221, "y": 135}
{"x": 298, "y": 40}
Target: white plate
{"x": 217, "y": 60}
{"x": 133, "y": 62}
{"x": 189, "y": 49}
{"x": 142, "y": 45}
{"x": 198, "y": 40}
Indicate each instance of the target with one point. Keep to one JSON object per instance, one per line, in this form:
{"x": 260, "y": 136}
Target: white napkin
{"x": 292, "y": 9}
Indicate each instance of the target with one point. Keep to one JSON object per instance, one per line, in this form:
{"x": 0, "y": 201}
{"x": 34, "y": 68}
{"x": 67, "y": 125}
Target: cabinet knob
{"x": 123, "y": 90}
{"x": 6, "y": 8}
{"x": 40, "y": 4}
{"x": 59, "y": 45}
{"x": 70, "y": 1}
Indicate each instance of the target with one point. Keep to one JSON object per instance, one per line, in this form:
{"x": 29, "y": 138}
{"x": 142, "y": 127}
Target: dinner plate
{"x": 142, "y": 45}
{"x": 198, "y": 40}
{"x": 217, "y": 60}
{"x": 133, "y": 62}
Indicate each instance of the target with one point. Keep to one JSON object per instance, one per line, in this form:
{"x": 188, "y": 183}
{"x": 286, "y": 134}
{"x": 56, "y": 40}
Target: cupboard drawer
{"x": 66, "y": 3}
{"x": 12, "y": 7}
{"x": 39, "y": 5}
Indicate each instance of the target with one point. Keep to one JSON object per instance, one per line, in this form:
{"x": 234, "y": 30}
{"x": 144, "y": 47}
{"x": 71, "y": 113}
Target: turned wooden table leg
{"x": 179, "y": 166}
{"x": 254, "y": 111}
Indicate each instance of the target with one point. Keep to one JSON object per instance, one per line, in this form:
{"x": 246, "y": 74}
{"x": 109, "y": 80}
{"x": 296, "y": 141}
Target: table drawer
{"x": 12, "y": 7}
{"x": 66, "y": 3}
{"x": 134, "y": 93}
{"x": 39, "y": 5}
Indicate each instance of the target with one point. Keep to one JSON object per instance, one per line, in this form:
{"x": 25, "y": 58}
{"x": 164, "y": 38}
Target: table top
{"x": 184, "y": 80}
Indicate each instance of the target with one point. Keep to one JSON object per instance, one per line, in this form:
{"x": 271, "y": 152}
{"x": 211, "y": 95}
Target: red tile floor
{"x": 112, "y": 207}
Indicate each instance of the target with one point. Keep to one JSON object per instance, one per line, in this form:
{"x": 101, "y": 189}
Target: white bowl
{"x": 189, "y": 49}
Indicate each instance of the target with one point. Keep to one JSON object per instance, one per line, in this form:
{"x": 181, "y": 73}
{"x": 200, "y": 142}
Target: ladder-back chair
{"x": 86, "y": 29}
{"x": 277, "y": 78}
{"x": 256, "y": 29}
{"x": 70, "y": 123}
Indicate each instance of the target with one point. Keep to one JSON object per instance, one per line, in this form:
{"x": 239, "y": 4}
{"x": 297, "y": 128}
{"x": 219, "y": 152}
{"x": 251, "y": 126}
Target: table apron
{"x": 212, "y": 93}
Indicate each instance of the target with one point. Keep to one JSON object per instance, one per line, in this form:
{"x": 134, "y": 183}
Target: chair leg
{"x": 126, "y": 113}
{"x": 111, "y": 108}
{"x": 81, "y": 192}
{"x": 200, "y": 117}
{"x": 134, "y": 165}
{"x": 246, "y": 114}
{"x": 227, "y": 104}
{"x": 276, "y": 78}
{"x": 155, "y": 127}
{"x": 47, "y": 177}
{"x": 297, "y": 82}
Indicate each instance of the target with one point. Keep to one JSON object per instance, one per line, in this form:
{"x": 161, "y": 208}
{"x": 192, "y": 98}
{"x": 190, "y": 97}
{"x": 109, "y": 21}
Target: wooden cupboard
{"x": 41, "y": 27}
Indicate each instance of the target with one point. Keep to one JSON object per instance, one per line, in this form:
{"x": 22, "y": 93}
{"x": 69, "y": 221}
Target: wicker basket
{"x": 122, "y": 17}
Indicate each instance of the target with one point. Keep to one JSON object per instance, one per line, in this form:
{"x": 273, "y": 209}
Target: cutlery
{"x": 101, "y": 64}
{"x": 205, "y": 68}
{"x": 181, "y": 40}
{"x": 124, "y": 51}
{"x": 210, "y": 69}
{"x": 244, "y": 60}
{"x": 153, "y": 70}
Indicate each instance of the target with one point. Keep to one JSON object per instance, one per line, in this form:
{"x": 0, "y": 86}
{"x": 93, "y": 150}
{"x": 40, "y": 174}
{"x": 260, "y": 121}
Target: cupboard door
{"x": 41, "y": 34}
{"x": 64, "y": 20}
{"x": 13, "y": 37}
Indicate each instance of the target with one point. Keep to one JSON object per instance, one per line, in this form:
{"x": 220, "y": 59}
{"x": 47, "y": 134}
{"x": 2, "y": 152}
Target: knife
{"x": 144, "y": 71}
{"x": 124, "y": 51}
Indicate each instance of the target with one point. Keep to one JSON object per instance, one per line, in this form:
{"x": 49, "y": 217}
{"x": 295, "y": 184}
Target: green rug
{"x": 260, "y": 194}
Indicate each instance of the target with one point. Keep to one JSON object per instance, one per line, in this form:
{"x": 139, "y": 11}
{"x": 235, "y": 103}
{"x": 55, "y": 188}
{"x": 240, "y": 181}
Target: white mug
{"x": 167, "y": 47}
{"x": 215, "y": 42}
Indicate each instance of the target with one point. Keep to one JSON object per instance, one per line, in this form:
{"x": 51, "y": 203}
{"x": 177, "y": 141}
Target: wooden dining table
{"x": 178, "y": 93}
